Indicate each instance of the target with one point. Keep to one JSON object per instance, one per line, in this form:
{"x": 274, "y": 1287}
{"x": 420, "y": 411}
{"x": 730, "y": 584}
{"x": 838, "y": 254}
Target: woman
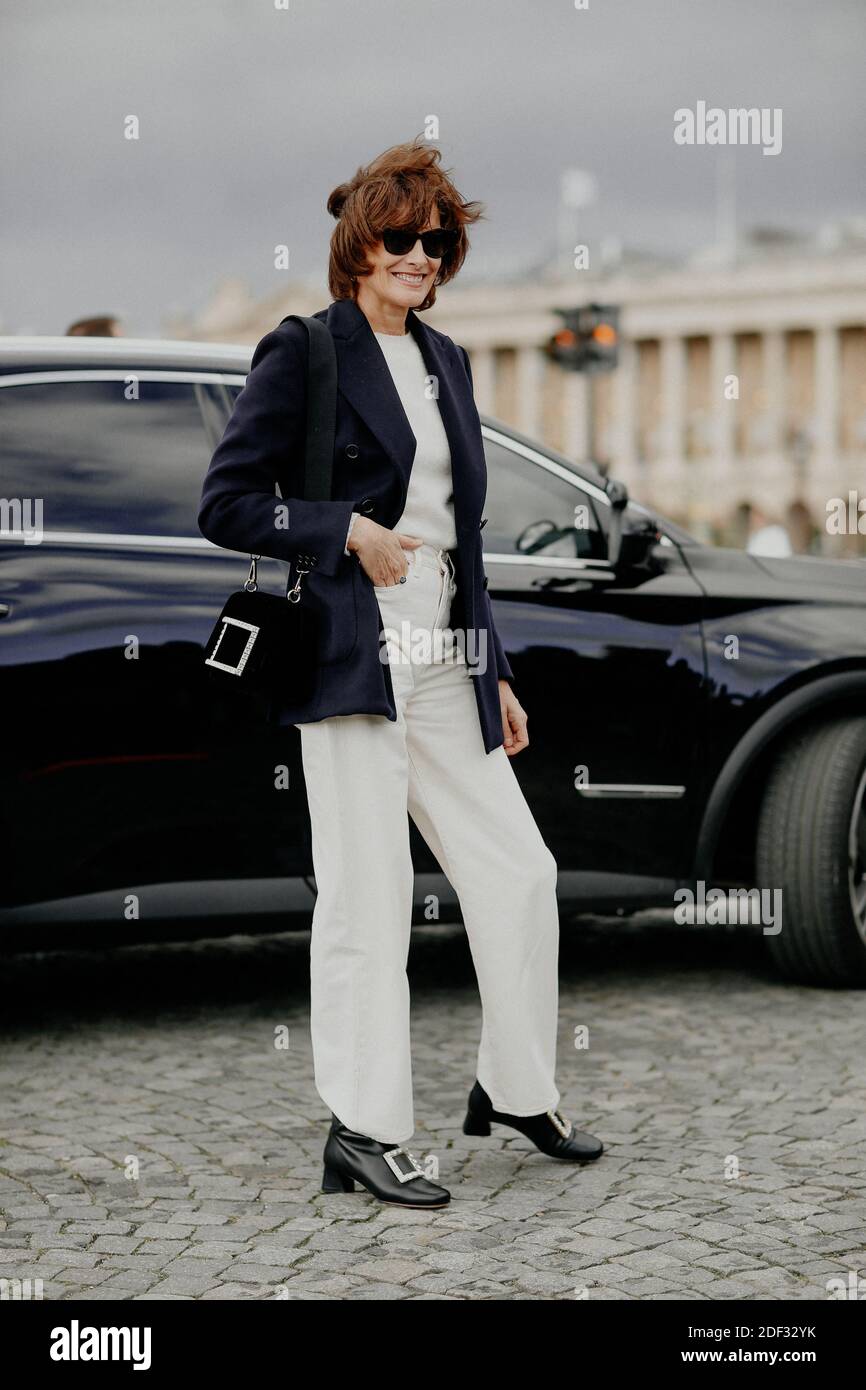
{"x": 397, "y": 724}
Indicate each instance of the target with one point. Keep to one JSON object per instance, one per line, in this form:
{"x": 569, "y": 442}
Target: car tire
{"x": 812, "y": 844}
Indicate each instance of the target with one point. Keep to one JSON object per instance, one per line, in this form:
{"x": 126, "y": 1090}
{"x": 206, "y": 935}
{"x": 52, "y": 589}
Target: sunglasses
{"x": 436, "y": 243}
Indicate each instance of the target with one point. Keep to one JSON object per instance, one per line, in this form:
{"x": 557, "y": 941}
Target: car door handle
{"x": 4, "y": 610}
{"x": 581, "y": 577}
{"x": 561, "y": 581}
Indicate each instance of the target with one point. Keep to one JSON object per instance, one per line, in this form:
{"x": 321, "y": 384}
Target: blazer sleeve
{"x": 263, "y": 443}
{"x": 503, "y": 666}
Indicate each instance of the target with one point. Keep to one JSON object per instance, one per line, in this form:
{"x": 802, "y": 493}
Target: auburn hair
{"x": 398, "y": 189}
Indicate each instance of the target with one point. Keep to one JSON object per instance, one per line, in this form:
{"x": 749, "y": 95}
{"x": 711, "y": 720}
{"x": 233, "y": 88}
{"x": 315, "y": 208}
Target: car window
{"x": 101, "y": 462}
{"x": 522, "y": 494}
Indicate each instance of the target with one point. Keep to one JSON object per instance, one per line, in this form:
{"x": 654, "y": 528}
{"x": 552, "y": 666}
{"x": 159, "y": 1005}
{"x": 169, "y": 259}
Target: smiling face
{"x": 397, "y": 283}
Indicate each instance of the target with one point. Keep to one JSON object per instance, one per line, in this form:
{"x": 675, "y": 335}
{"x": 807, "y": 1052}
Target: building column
{"x": 673, "y": 393}
{"x": 826, "y": 369}
{"x": 723, "y": 411}
{"x": 773, "y": 354}
{"x": 624, "y": 465}
{"x": 483, "y": 363}
{"x": 575, "y": 416}
{"x": 778, "y": 480}
{"x": 717, "y": 474}
{"x": 669, "y": 486}
{"x": 529, "y": 369}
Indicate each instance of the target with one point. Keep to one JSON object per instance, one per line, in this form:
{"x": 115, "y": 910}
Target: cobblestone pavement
{"x": 155, "y": 1143}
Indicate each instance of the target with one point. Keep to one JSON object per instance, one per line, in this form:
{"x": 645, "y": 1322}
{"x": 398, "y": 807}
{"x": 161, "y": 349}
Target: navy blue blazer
{"x": 263, "y": 446}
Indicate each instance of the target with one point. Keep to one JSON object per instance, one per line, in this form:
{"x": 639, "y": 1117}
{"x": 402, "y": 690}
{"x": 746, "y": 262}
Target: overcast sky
{"x": 250, "y": 115}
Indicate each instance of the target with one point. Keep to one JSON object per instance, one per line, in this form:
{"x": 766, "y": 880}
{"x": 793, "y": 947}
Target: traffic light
{"x": 588, "y": 340}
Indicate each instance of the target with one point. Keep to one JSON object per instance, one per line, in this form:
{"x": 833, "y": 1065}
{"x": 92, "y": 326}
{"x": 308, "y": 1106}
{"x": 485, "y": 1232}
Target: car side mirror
{"x": 533, "y": 536}
{"x": 617, "y": 494}
{"x": 637, "y": 544}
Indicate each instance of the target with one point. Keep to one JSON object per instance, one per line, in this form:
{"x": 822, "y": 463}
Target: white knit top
{"x": 429, "y": 509}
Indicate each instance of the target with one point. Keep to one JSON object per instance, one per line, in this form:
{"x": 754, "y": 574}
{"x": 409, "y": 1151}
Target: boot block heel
{"x": 335, "y": 1181}
{"x": 475, "y": 1124}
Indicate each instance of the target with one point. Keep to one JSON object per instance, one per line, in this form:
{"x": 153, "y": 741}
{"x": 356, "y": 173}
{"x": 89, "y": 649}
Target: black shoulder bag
{"x": 264, "y": 644}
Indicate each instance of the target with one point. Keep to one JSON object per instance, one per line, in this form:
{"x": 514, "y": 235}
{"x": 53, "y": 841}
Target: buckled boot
{"x": 389, "y": 1171}
{"x": 549, "y": 1132}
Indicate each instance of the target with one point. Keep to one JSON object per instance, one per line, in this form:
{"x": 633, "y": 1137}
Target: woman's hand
{"x": 513, "y": 720}
{"x": 381, "y": 552}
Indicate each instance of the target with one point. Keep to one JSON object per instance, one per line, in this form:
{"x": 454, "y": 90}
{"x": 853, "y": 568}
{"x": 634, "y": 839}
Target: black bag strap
{"x": 321, "y": 408}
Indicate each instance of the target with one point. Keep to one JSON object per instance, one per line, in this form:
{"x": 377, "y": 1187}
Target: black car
{"x": 697, "y": 716}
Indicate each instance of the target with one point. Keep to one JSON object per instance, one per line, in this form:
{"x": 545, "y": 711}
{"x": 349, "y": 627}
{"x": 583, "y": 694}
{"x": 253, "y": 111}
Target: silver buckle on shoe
{"x": 563, "y": 1126}
{"x": 416, "y": 1170}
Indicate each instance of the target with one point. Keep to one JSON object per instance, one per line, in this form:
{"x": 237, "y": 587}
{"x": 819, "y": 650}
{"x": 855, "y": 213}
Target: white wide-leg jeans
{"x": 365, "y": 776}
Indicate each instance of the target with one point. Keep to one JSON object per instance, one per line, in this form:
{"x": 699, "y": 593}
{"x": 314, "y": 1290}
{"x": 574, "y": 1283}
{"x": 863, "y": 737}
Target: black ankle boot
{"x": 389, "y": 1171}
{"x": 549, "y": 1132}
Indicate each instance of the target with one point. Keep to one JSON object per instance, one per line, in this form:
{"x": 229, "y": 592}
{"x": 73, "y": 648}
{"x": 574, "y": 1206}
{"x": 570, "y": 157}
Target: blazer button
{"x": 351, "y": 451}
{"x": 367, "y": 505}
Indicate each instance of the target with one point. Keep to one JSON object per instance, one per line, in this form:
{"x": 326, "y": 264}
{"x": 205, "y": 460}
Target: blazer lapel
{"x": 366, "y": 382}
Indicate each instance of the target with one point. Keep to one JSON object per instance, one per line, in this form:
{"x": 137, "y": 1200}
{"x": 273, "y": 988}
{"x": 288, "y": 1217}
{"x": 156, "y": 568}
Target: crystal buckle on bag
{"x": 416, "y": 1170}
{"x": 244, "y": 657}
{"x": 563, "y": 1126}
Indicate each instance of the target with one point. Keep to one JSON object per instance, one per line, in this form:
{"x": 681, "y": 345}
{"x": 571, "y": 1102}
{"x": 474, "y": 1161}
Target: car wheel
{"x": 812, "y": 845}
